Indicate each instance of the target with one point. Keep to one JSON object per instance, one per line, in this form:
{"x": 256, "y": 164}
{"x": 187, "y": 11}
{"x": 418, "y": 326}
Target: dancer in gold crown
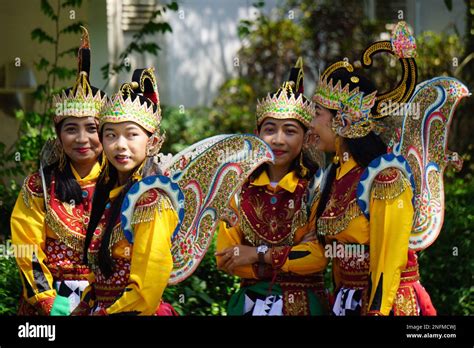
{"x": 52, "y": 212}
{"x": 280, "y": 270}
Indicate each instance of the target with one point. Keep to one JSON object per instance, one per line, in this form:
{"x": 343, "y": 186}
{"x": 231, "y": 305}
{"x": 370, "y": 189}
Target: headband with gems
{"x": 122, "y": 107}
{"x": 80, "y": 100}
{"x": 284, "y": 104}
{"x": 354, "y": 118}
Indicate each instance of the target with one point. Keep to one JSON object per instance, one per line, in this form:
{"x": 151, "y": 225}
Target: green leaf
{"x": 173, "y": 6}
{"x": 72, "y": 3}
{"x": 259, "y": 4}
{"x": 40, "y": 35}
{"x": 63, "y": 73}
{"x": 149, "y": 47}
{"x": 42, "y": 64}
{"x": 449, "y": 4}
{"x": 74, "y": 28}
{"x": 151, "y": 28}
{"x": 105, "y": 71}
{"x": 72, "y": 51}
{"x": 243, "y": 30}
{"x": 41, "y": 92}
{"x": 48, "y": 10}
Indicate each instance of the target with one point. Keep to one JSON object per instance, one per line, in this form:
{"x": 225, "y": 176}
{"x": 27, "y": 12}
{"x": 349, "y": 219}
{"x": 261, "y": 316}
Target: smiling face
{"x": 285, "y": 138}
{"x": 80, "y": 140}
{"x": 125, "y": 146}
{"x": 321, "y": 133}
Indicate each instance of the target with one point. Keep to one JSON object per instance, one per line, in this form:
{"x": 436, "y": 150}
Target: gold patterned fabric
{"x": 296, "y": 266}
{"x": 52, "y": 238}
{"x": 386, "y": 265}
{"x": 141, "y": 270}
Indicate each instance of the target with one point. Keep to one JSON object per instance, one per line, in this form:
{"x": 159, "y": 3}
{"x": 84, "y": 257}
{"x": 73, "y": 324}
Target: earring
{"x": 104, "y": 168}
{"x": 304, "y": 170}
{"x": 138, "y": 174}
{"x": 336, "y": 157}
{"x": 152, "y": 150}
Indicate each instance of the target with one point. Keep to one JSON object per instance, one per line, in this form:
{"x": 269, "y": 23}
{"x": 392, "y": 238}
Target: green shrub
{"x": 446, "y": 266}
{"x": 10, "y": 285}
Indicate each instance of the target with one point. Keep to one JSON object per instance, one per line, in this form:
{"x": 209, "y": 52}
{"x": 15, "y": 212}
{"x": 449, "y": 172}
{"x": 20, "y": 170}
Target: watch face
{"x": 262, "y": 249}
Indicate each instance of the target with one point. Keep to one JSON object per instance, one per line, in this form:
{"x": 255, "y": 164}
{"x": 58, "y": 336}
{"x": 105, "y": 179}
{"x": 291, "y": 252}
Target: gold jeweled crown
{"x": 82, "y": 100}
{"x": 285, "y": 104}
{"x": 128, "y": 105}
{"x": 357, "y": 111}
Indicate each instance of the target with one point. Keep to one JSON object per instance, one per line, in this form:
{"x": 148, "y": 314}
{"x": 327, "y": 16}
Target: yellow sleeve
{"x": 230, "y": 236}
{"x": 391, "y": 221}
{"x": 304, "y": 259}
{"x": 28, "y": 238}
{"x": 151, "y": 263}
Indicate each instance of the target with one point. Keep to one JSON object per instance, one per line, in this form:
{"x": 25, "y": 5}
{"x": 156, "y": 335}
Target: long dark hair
{"x": 363, "y": 150}
{"x": 101, "y": 198}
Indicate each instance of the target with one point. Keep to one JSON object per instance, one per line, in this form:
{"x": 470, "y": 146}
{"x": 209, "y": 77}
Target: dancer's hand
{"x": 234, "y": 256}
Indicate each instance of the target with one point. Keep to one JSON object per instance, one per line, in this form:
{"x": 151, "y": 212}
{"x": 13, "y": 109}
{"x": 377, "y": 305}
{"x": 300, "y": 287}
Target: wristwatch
{"x": 261, "y": 251}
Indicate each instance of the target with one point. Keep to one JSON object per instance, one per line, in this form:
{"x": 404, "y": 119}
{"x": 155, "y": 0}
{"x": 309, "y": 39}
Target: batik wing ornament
{"x": 423, "y": 143}
{"x": 419, "y": 142}
{"x": 200, "y": 182}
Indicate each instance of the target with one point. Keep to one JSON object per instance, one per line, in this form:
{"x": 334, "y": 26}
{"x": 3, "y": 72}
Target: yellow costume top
{"x": 51, "y": 240}
{"x": 142, "y": 269}
{"x": 387, "y": 233}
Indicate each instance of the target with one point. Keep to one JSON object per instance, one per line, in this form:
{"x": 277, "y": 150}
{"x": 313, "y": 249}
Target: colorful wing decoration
{"x": 423, "y": 144}
{"x": 200, "y": 182}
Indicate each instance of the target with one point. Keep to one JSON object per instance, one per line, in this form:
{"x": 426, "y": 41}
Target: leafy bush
{"x": 446, "y": 266}
{"x": 206, "y": 292}
{"x": 10, "y": 285}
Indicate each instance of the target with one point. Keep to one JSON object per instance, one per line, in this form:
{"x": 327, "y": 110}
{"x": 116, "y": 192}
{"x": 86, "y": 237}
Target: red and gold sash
{"x": 342, "y": 205}
{"x": 69, "y": 220}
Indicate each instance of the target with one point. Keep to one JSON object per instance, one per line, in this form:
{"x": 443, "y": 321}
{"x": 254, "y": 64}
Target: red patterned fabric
{"x": 69, "y": 220}
{"x": 166, "y": 310}
{"x": 343, "y": 192}
{"x": 34, "y": 185}
{"x": 63, "y": 262}
{"x": 270, "y": 214}
{"x": 411, "y": 297}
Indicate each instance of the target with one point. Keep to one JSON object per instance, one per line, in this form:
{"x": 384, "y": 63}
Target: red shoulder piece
{"x": 33, "y": 184}
{"x": 388, "y": 176}
{"x": 149, "y": 198}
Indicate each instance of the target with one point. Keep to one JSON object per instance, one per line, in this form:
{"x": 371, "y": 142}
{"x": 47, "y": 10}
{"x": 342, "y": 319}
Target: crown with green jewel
{"x": 288, "y": 102}
{"x": 129, "y": 105}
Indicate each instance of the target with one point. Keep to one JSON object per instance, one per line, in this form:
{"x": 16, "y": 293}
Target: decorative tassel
{"x": 336, "y": 159}
{"x": 62, "y": 159}
{"x": 336, "y": 224}
{"x": 138, "y": 173}
{"x": 304, "y": 170}
{"x": 389, "y": 190}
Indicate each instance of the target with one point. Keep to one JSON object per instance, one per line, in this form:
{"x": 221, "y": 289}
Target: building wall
{"x": 195, "y": 59}
{"x": 17, "y": 20}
